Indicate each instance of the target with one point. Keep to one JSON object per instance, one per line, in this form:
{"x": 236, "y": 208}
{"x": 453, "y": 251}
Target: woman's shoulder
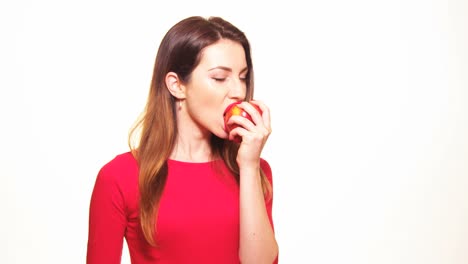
{"x": 121, "y": 161}
{"x": 116, "y": 185}
{"x": 265, "y": 166}
{"x": 122, "y": 166}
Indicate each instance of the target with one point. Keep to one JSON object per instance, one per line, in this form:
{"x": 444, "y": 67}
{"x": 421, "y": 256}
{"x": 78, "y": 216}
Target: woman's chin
{"x": 221, "y": 134}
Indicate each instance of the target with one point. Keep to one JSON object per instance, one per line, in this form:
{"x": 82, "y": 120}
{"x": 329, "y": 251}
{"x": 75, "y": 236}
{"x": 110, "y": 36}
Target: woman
{"x": 188, "y": 192}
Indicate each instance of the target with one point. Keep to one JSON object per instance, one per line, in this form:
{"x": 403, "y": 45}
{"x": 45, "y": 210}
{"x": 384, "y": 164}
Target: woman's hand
{"x": 254, "y": 134}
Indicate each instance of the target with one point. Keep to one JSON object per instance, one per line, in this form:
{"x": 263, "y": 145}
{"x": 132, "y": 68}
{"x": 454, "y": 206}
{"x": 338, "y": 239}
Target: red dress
{"x": 198, "y": 220}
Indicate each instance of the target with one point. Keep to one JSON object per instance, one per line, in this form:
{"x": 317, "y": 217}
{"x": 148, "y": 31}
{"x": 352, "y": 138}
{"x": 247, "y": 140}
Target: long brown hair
{"x": 179, "y": 52}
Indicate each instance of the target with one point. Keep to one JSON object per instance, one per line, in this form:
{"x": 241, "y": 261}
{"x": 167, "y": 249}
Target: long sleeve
{"x": 107, "y": 220}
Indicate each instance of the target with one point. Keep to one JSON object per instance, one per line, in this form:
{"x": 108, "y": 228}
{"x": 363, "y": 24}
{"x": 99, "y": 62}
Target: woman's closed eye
{"x": 219, "y": 79}
{"x": 222, "y": 79}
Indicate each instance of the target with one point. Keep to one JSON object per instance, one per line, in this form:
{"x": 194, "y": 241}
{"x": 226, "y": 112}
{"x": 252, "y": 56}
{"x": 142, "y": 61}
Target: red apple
{"x": 233, "y": 110}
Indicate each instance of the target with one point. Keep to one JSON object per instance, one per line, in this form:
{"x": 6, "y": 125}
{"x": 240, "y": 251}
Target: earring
{"x": 180, "y": 104}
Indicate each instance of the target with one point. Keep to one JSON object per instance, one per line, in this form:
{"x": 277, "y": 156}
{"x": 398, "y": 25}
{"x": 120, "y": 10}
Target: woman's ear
{"x": 175, "y": 86}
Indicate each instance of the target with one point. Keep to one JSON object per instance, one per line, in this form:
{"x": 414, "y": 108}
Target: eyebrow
{"x": 226, "y": 69}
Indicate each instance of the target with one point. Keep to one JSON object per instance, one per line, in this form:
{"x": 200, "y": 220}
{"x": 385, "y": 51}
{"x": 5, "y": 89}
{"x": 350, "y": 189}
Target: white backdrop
{"x": 369, "y": 149}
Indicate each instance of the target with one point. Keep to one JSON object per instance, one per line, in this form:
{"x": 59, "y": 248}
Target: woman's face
{"x": 217, "y": 81}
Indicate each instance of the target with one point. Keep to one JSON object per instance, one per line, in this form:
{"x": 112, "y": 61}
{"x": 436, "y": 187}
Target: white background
{"x": 369, "y": 149}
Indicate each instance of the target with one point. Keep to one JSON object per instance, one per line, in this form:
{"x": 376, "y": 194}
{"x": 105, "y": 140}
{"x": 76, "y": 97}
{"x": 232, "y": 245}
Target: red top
{"x": 198, "y": 219}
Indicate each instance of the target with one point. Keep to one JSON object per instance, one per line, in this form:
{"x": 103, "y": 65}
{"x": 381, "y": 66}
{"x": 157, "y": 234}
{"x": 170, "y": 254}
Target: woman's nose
{"x": 237, "y": 90}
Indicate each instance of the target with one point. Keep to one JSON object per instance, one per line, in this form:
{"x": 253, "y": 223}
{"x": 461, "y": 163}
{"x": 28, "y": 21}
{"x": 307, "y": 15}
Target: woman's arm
{"x": 107, "y": 220}
{"x": 257, "y": 239}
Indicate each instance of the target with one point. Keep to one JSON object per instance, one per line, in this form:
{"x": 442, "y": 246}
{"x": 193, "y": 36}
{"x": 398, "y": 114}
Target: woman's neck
{"x": 192, "y": 145}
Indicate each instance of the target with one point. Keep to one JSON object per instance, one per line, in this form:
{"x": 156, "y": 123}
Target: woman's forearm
{"x": 257, "y": 240}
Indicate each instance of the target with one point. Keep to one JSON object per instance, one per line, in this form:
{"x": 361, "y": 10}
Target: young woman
{"x": 188, "y": 192}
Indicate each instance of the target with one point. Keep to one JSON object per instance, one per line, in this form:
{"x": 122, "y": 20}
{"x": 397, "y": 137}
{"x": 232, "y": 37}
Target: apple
{"x": 233, "y": 110}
